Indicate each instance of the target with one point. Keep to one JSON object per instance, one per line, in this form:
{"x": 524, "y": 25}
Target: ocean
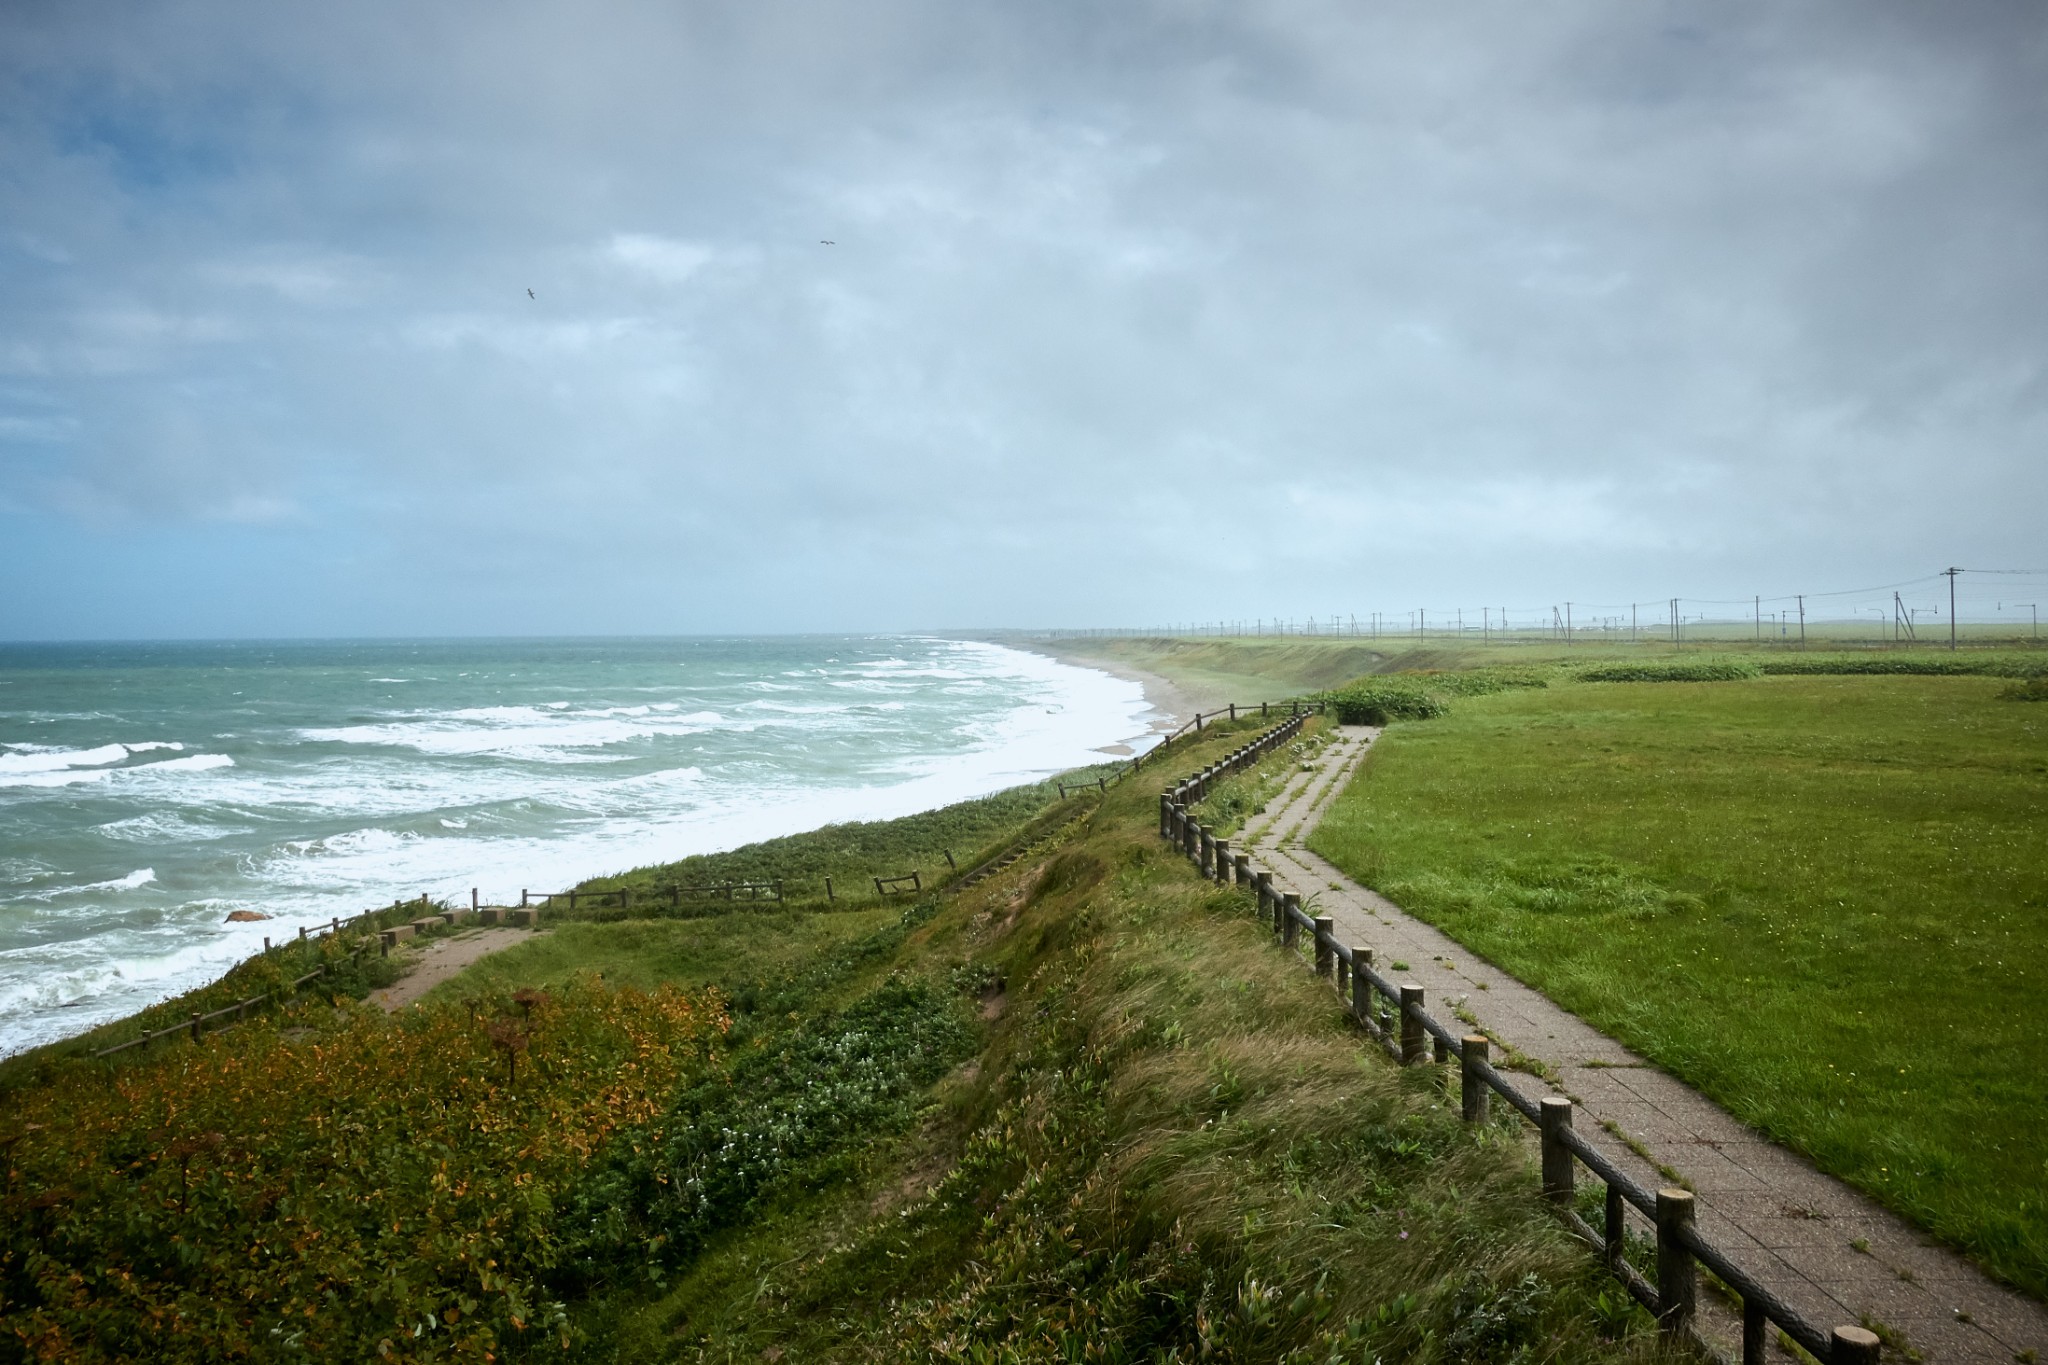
{"x": 148, "y": 790}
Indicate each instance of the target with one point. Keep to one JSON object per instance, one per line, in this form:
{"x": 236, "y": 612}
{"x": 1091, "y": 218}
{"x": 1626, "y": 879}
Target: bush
{"x": 1706, "y": 670}
{"x": 1946, "y": 665}
{"x": 2033, "y": 689}
{"x": 1480, "y": 682}
{"x": 1380, "y": 701}
{"x": 380, "y": 1187}
{"x": 787, "y": 1108}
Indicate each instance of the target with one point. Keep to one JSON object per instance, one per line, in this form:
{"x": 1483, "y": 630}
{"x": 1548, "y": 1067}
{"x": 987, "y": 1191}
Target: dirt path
{"x": 441, "y": 960}
{"x": 1830, "y": 1251}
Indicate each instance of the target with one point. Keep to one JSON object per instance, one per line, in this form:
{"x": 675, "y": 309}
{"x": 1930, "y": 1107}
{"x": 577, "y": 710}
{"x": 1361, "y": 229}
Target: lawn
{"x": 1822, "y": 900}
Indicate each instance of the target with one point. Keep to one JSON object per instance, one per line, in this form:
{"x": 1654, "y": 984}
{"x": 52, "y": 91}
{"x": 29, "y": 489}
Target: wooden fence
{"x": 1392, "y": 1014}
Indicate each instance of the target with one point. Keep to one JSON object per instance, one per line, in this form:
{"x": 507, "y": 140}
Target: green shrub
{"x": 1378, "y": 702}
{"x": 1953, "y": 665}
{"x": 775, "y": 1122}
{"x": 1480, "y": 682}
{"x": 1705, "y": 670}
{"x": 2033, "y": 689}
{"x": 379, "y": 1186}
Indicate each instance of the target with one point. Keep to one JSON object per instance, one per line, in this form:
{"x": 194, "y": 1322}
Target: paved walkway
{"x": 1831, "y": 1252}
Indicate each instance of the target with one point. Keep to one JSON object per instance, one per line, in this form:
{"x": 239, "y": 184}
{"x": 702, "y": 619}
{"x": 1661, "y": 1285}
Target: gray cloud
{"x": 1130, "y": 314}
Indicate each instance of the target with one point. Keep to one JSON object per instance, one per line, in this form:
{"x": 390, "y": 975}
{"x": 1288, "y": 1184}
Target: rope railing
{"x": 1393, "y": 1015}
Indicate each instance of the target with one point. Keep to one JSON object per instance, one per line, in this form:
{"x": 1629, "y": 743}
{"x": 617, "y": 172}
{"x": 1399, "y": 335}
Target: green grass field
{"x": 1823, "y": 900}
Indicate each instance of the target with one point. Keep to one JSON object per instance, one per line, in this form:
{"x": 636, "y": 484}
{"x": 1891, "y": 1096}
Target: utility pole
{"x": 1485, "y": 625}
{"x": 1674, "y": 621}
{"x": 1567, "y": 623}
{"x": 1758, "y": 603}
{"x": 1421, "y": 623}
{"x": 1631, "y": 623}
{"x": 1802, "y": 620}
{"x": 1950, "y": 573}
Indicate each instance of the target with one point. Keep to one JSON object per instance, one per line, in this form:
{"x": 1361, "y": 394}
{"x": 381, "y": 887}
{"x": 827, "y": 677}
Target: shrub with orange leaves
{"x": 374, "y": 1188}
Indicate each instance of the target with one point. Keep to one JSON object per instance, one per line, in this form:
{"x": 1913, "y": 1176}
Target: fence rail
{"x": 1393, "y": 1015}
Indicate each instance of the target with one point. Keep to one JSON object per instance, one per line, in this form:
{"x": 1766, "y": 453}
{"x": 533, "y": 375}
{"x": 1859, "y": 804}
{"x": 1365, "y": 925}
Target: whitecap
{"x": 35, "y": 758}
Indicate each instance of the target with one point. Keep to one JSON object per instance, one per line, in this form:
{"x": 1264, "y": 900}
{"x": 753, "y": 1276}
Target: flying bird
{"x": 529, "y": 293}
{"x": 822, "y": 242}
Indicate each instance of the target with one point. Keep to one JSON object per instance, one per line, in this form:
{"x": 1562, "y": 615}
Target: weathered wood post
{"x": 1166, "y": 815}
{"x": 1233, "y": 710}
{"x": 1612, "y": 1247}
{"x": 1206, "y": 858}
{"x": 1412, "y": 1033}
{"x": 1474, "y": 1091}
{"x": 829, "y": 897}
{"x": 1262, "y": 890}
{"x": 1241, "y": 864}
{"x": 1553, "y": 1120}
{"x": 951, "y": 866}
{"x": 195, "y": 1027}
{"x": 475, "y": 901}
{"x": 1678, "y": 1278}
{"x": 1290, "y": 926}
{"x": 1343, "y": 971}
{"x": 522, "y": 898}
{"x": 1325, "y": 942}
{"x": 1361, "y": 983}
{"x": 1853, "y": 1346}
{"x": 1262, "y": 710}
{"x": 266, "y": 943}
{"x": 1223, "y": 864}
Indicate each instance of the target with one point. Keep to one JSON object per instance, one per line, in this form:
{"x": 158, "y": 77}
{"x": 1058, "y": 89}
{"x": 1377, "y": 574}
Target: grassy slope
{"x": 1239, "y": 670}
{"x": 854, "y": 852}
{"x": 1819, "y": 899}
{"x": 1170, "y": 1145}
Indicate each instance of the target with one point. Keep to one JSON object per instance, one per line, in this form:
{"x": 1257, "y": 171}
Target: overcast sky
{"x": 1131, "y": 313}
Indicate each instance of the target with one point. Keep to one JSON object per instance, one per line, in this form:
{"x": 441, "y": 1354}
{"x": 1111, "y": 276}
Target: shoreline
{"x": 1175, "y": 702}
{"x": 33, "y": 1029}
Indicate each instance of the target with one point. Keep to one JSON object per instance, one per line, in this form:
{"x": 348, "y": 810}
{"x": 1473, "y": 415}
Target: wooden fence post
{"x": 829, "y": 897}
{"x": 1361, "y": 984}
{"x": 1207, "y": 852}
{"x": 1262, "y": 892}
{"x": 1290, "y": 927}
{"x": 1853, "y": 1346}
{"x": 1475, "y": 1094}
{"x": 1678, "y": 1279}
{"x": 1325, "y": 942}
{"x": 1223, "y": 861}
{"x": 195, "y": 1027}
{"x": 1241, "y": 865}
{"x": 1554, "y": 1118}
{"x": 1412, "y": 1034}
{"x": 1166, "y": 815}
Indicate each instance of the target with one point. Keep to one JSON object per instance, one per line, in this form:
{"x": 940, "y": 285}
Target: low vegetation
{"x": 1819, "y": 897}
{"x": 854, "y": 853}
{"x": 1084, "y": 1110}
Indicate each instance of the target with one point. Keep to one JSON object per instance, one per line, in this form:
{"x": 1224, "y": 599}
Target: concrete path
{"x": 442, "y": 959}
{"x": 1831, "y": 1252}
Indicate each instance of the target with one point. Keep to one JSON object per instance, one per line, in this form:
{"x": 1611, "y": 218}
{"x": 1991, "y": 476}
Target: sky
{"x": 921, "y": 314}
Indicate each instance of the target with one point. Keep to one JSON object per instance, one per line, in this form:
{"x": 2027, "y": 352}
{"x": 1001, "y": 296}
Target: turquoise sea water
{"x": 148, "y": 790}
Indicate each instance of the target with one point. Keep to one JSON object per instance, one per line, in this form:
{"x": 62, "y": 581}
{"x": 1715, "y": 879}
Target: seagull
{"x": 529, "y": 293}
{"x": 822, "y": 242}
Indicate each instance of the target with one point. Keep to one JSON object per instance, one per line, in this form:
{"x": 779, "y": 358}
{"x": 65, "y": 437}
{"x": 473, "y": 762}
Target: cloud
{"x": 661, "y": 258}
{"x": 1398, "y": 300}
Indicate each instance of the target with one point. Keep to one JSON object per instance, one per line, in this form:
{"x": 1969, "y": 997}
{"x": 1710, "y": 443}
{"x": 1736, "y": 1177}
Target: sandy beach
{"x": 1175, "y": 702}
